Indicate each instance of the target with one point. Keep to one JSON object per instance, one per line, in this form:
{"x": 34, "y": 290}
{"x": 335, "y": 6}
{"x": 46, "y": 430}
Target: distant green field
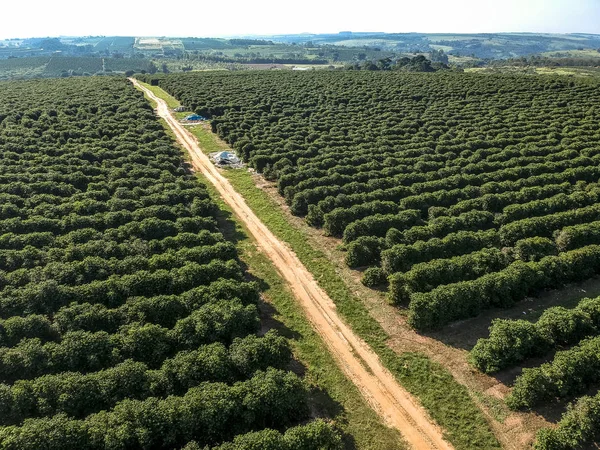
{"x": 449, "y": 37}
{"x": 115, "y": 44}
{"x": 46, "y": 67}
{"x": 56, "y": 66}
{"x": 204, "y": 43}
{"x": 362, "y": 42}
{"x": 587, "y": 53}
{"x": 125, "y": 64}
{"x": 22, "y": 67}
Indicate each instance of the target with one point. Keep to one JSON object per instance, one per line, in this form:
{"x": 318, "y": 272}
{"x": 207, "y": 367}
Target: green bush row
{"x": 570, "y": 373}
{"x": 402, "y": 257}
{"x": 317, "y": 434}
{"x": 77, "y": 395}
{"x": 451, "y": 302}
{"x": 577, "y": 236}
{"x": 336, "y": 221}
{"x": 378, "y": 224}
{"x": 558, "y": 203}
{"x": 93, "y": 268}
{"x": 208, "y": 414}
{"x": 49, "y": 296}
{"x": 426, "y": 276}
{"x": 497, "y": 196}
{"x": 86, "y": 351}
{"x": 163, "y": 310}
{"x": 512, "y": 341}
{"x": 578, "y": 427}
{"x": 545, "y": 226}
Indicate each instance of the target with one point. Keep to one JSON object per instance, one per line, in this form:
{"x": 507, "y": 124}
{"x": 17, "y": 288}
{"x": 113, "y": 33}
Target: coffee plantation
{"x": 467, "y": 191}
{"x": 126, "y": 317}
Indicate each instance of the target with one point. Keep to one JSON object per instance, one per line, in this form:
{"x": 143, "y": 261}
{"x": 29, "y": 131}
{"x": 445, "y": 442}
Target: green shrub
{"x": 373, "y": 277}
{"x": 578, "y": 427}
{"x": 534, "y": 249}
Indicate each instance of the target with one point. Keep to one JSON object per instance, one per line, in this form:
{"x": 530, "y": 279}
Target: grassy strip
{"x": 171, "y": 101}
{"x": 333, "y": 395}
{"x": 447, "y": 401}
{"x": 152, "y": 102}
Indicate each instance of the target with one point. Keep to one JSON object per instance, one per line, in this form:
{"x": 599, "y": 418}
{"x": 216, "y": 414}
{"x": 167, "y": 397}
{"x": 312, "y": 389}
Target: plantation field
{"x": 589, "y": 53}
{"x": 46, "y": 67}
{"x": 460, "y": 192}
{"x": 22, "y": 67}
{"x": 80, "y": 65}
{"x": 126, "y": 320}
{"x": 115, "y": 44}
{"x": 60, "y": 66}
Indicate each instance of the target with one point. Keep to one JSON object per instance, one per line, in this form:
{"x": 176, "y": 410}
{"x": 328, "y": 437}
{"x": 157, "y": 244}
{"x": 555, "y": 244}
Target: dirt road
{"x": 378, "y": 386}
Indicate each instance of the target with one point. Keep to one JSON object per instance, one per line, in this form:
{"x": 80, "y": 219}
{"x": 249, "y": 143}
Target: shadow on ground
{"x": 465, "y": 333}
{"x": 321, "y": 404}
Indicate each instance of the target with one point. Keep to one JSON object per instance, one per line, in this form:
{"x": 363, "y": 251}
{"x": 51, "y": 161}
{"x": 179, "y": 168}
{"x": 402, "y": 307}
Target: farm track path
{"x": 359, "y": 362}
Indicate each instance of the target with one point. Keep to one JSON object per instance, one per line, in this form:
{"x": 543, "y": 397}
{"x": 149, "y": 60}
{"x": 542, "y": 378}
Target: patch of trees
{"x": 256, "y": 59}
{"x": 79, "y": 395}
{"x": 542, "y": 61}
{"x": 244, "y": 42}
{"x": 438, "y": 56}
{"x": 207, "y": 414}
{"x": 545, "y": 226}
{"x": 424, "y": 277}
{"x": 460, "y": 192}
{"x": 125, "y": 317}
{"x": 405, "y": 64}
{"x": 317, "y": 434}
{"x": 401, "y": 257}
{"x": 356, "y": 152}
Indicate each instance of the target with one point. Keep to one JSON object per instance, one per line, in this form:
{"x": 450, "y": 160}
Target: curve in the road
{"x": 378, "y": 386}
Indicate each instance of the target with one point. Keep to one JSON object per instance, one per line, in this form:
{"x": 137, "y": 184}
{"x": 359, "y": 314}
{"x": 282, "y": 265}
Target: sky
{"x": 197, "y": 18}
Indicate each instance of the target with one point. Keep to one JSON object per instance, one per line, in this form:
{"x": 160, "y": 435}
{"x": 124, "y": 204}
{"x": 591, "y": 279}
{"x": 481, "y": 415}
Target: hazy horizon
{"x": 308, "y": 33}
{"x": 268, "y": 17}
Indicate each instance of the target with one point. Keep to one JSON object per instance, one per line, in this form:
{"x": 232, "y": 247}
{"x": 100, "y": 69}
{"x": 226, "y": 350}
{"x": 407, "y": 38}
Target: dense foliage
{"x": 512, "y": 341}
{"x": 126, "y": 321}
{"x": 417, "y": 64}
{"x": 314, "y": 435}
{"x": 412, "y": 168}
{"x": 466, "y": 191}
{"x": 578, "y": 428}
{"x": 64, "y": 66}
{"x": 570, "y": 373}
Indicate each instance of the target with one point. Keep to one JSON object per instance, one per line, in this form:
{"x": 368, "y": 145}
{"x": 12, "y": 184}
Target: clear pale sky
{"x": 40, "y": 18}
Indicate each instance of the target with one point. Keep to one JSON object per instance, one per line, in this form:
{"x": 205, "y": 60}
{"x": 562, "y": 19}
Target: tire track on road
{"x": 358, "y": 361}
